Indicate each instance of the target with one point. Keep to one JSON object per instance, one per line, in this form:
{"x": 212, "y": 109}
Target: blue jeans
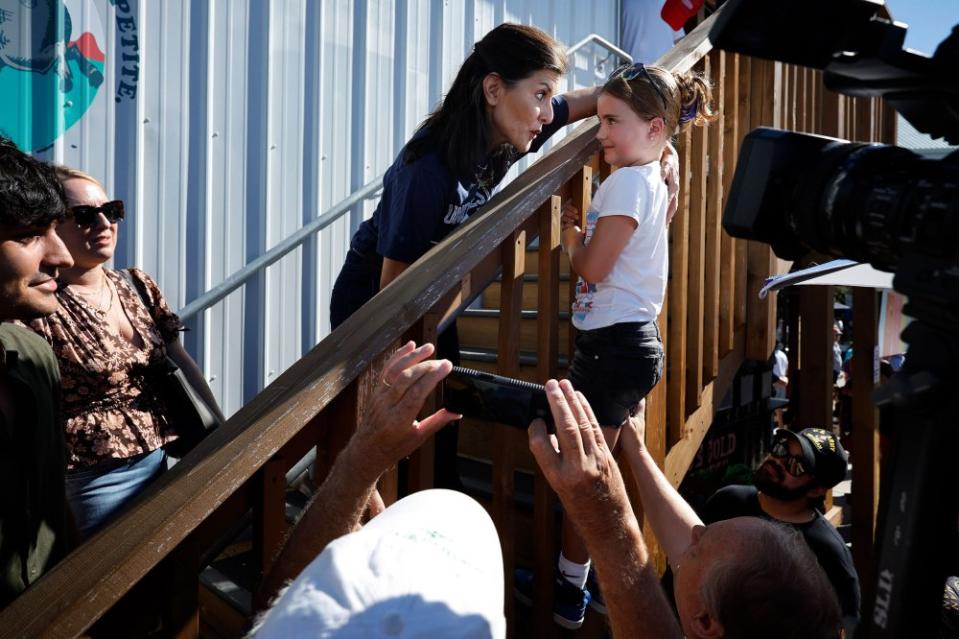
{"x": 97, "y": 493}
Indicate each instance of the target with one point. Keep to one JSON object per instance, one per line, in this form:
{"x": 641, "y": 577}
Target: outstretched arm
{"x": 671, "y": 518}
{"x": 388, "y": 433}
{"x": 582, "y": 102}
{"x": 580, "y": 468}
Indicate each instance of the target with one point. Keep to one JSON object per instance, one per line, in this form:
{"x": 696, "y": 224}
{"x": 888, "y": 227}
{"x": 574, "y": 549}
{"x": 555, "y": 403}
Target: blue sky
{"x": 930, "y": 21}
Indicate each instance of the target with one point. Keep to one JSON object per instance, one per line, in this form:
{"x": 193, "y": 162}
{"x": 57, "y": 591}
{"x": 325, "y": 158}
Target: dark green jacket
{"x": 36, "y": 530}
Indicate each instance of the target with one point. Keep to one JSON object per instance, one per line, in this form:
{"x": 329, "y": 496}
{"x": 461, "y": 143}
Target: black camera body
{"x": 898, "y": 211}
{"x": 868, "y": 202}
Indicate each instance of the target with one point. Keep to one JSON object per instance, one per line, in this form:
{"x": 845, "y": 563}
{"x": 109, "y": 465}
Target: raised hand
{"x": 577, "y": 462}
{"x": 390, "y": 431}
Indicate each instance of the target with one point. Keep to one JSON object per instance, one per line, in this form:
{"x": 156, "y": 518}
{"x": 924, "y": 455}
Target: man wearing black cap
{"x": 789, "y": 484}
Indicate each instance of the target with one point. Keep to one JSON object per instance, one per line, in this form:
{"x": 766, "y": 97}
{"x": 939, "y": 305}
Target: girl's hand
{"x": 571, "y": 238}
{"x": 571, "y": 217}
{"x": 634, "y": 430}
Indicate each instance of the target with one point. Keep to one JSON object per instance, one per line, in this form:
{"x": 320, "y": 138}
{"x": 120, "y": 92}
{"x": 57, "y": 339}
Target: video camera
{"x": 869, "y": 202}
{"x": 898, "y": 211}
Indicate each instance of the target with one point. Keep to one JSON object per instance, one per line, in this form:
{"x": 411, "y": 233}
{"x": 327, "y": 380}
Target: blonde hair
{"x": 661, "y": 94}
{"x": 65, "y": 173}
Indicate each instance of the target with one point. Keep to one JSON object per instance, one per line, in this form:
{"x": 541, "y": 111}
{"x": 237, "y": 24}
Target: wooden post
{"x": 544, "y": 523}
{"x": 581, "y": 193}
{"x": 832, "y": 114}
{"x": 548, "y": 291}
{"x": 888, "y": 127}
{"x": 656, "y": 435}
{"x": 765, "y": 97}
{"x": 865, "y": 433}
{"x": 182, "y": 614}
{"x": 695, "y": 312}
{"x": 511, "y": 305}
{"x": 863, "y": 118}
{"x": 269, "y": 518}
{"x": 815, "y": 343}
{"x": 730, "y": 140}
{"x": 795, "y": 351}
{"x": 744, "y": 126}
{"x": 678, "y": 287}
{"x": 337, "y": 424}
{"x": 421, "y": 464}
{"x": 714, "y": 214}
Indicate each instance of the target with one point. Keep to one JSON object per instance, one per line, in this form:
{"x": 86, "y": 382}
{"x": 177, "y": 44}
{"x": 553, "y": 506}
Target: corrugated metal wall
{"x": 226, "y": 124}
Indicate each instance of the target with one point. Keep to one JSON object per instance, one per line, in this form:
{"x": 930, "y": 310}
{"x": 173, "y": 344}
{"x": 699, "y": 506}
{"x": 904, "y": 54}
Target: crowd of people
{"x": 84, "y": 426}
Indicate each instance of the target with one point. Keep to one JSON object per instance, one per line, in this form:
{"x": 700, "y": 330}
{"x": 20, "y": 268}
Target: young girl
{"x": 622, "y": 262}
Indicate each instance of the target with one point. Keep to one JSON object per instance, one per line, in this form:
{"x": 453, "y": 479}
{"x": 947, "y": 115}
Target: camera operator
{"x": 742, "y": 577}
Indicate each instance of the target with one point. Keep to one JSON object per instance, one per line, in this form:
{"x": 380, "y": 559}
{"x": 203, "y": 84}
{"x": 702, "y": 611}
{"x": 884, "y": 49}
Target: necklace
{"x": 96, "y": 304}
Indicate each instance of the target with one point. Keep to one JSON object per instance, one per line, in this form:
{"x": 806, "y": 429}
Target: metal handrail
{"x": 278, "y": 251}
{"x": 240, "y": 277}
{"x": 603, "y": 42}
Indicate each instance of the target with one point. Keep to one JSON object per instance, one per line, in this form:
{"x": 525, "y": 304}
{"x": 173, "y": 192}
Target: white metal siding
{"x": 251, "y": 118}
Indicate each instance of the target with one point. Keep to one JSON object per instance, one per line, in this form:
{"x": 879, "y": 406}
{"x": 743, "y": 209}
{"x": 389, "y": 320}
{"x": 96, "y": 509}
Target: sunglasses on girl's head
{"x": 793, "y": 463}
{"x": 85, "y": 215}
{"x": 630, "y": 72}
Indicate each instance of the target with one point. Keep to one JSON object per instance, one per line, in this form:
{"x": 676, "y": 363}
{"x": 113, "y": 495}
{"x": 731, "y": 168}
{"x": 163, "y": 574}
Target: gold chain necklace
{"x": 98, "y": 307}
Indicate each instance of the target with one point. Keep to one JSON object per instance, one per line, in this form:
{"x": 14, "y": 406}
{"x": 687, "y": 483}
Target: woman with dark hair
{"x": 502, "y": 105}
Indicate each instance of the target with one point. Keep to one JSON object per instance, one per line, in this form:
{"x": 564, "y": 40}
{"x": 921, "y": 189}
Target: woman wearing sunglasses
{"x": 106, "y": 339}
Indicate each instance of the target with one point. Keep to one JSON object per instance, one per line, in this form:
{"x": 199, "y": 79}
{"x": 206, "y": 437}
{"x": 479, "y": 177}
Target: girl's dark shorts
{"x": 615, "y": 367}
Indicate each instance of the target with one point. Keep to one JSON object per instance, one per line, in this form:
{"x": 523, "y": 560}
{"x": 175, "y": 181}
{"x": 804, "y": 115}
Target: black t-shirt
{"x": 423, "y": 201}
{"x": 823, "y": 539}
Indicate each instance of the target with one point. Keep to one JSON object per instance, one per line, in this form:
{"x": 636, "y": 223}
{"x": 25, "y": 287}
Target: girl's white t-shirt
{"x": 634, "y": 289}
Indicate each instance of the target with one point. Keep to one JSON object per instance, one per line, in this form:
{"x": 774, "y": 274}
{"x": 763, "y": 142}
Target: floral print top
{"x": 111, "y": 409}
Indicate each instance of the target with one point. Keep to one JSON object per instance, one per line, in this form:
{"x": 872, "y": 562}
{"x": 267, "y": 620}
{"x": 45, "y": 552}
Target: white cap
{"x": 430, "y": 565}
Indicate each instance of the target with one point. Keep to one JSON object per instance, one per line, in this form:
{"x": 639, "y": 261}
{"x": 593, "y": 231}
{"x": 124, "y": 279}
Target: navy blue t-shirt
{"x": 422, "y": 201}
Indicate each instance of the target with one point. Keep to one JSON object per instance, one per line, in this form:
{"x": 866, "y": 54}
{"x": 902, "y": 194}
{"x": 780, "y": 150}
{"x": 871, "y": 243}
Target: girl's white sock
{"x": 573, "y": 572}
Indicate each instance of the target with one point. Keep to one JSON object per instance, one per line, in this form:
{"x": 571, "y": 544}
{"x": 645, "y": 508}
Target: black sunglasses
{"x": 629, "y": 72}
{"x": 85, "y": 215}
{"x": 793, "y": 463}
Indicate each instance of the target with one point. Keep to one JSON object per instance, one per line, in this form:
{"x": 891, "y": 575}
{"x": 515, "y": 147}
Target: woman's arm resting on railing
{"x": 670, "y": 516}
{"x": 580, "y": 468}
{"x": 582, "y": 102}
{"x": 388, "y": 433}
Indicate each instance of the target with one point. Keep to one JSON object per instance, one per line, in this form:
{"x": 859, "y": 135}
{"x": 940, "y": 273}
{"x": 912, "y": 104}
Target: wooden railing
{"x": 711, "y": 321}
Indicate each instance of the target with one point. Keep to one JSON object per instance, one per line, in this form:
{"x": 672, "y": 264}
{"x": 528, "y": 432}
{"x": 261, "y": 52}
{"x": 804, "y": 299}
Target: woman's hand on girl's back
{"x": 669, "y": 164}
